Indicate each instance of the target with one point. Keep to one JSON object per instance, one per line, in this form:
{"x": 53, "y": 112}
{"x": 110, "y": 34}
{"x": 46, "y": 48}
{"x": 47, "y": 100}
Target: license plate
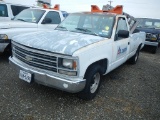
{"x": 25, "y": 76}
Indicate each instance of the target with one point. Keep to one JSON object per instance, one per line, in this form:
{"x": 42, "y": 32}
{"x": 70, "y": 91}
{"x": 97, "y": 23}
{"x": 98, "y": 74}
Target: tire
{"x": 133, "y": 60}
{"x": 93, "y": 81}
{"x": 154, "y": 49}
{"x": 7, "y": 50}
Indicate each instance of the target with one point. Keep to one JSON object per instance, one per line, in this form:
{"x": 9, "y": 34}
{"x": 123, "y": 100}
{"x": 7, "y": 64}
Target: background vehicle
{"x": 9, "y": 10}
{"x": 152, "y": 29}
{"x": 78, "y": 52}
{"x": 29, "y": 20}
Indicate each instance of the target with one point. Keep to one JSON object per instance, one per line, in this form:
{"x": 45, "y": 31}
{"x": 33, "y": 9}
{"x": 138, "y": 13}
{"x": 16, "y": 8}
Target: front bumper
{"x": 151, "y": 43}
{"x": 70, "y": 85}
{"x": 4, "y": 44}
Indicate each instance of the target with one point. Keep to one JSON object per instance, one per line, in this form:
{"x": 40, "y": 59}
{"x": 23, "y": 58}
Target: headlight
{"x": 3, "y": 36}
{"x": 154, "y": 37}
{"x": 67, "y": 66}
{"x": 69, "y": 63}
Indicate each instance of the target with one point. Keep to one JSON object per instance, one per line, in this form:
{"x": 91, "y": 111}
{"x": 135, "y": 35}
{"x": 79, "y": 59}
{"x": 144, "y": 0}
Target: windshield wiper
{"x": 82, "y": 29}
{"x": 21, "y": 20}
{"x": 86, "y": 30}
{"x": 61, "y": 27}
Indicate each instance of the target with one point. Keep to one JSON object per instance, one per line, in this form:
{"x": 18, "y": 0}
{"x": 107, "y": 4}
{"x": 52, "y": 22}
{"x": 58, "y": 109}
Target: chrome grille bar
{"x": 35, "y": 59}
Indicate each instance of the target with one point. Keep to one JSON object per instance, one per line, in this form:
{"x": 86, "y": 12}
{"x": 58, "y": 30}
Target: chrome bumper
{"x": 151, "y": 43}
{"x": 70, "y": 85}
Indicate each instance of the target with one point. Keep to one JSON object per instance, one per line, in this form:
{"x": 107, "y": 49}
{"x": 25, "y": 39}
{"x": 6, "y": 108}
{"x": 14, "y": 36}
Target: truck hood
{"x": 16, "y": 24}
{"x": 63, "y": 42}
{"x": 150, "y": 30}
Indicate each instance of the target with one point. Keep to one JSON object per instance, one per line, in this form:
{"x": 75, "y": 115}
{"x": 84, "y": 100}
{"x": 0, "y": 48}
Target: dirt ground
{"x": 130, "y": 92}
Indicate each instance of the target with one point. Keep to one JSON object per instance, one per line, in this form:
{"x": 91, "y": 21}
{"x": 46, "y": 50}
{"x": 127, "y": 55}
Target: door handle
{"x": 128, "y": 43}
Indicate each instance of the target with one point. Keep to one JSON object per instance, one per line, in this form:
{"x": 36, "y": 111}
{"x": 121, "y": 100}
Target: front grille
{"x": 151, "y": 37}
{"x": 35, "y": 58}
{"x": 148, "y": 35}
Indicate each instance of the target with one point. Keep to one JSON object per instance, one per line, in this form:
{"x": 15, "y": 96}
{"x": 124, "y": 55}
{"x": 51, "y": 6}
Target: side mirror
{"x": 46, "y": 21}
{"x": 123, "y": 33}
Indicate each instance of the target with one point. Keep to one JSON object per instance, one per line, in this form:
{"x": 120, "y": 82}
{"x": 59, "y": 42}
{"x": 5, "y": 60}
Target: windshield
{"x": 3, "y": 10}
{"x": 95, "y": 24}
{"x": 30, "y": 15}
{"x": 149, "y": 23}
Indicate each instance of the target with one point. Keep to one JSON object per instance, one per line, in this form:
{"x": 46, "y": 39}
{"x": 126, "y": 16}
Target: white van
{"x": 9, "y": 10}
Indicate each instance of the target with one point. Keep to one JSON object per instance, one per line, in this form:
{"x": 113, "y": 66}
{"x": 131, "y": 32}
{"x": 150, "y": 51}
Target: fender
{"x": 87, "y": 55}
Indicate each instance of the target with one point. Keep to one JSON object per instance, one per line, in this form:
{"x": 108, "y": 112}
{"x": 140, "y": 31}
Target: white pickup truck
{"x": 75, "y": 55}
{"x": 29, "y": 20}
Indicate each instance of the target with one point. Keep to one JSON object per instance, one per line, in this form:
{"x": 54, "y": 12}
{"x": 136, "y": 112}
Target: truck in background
{"x": 29, "y": 20}
{"x": 152, "y": 29}
{"x": 78, "y": 52}
{"x": 9, "y": 10}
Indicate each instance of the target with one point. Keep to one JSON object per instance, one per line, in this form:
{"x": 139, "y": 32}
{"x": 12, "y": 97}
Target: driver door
{"x": 120, "y": 44}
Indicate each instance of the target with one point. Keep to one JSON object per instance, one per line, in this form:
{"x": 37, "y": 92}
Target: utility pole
{"x": 110, "y": 2}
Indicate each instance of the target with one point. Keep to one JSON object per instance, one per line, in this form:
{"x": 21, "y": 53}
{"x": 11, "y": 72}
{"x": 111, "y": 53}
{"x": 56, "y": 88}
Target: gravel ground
{"x": 130, "y": 92}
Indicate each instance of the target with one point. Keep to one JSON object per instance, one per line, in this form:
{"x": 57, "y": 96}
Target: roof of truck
{"x": 98, "y": 13}
{"x": 39, "y": 8}
{"x": 149, "y": 18}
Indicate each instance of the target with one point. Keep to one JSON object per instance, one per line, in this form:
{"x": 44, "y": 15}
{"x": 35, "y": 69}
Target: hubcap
{"x": 95, "y": 84}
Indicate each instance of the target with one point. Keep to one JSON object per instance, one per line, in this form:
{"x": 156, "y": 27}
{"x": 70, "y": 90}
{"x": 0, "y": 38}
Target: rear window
{"x": 17, "y": 9}
{"x": 3, "y": 10}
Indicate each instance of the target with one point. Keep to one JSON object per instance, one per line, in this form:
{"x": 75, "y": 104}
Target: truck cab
{"x": 39, "y": 18}
{"x": 152, "y": 29}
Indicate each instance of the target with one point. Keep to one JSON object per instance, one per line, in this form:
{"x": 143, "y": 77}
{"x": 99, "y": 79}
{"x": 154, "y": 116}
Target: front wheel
{"x": 93, "y": 80}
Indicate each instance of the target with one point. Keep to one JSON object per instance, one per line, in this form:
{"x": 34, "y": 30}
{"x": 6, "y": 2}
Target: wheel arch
{"x": 140, "y": 46}
{"x": 103, "y": 63}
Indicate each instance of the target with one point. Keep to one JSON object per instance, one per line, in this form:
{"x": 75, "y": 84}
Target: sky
{"x": 136, "y": 8}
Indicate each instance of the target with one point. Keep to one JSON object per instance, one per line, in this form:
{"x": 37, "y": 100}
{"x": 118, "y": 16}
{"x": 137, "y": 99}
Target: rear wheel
{"x": 93, "y": 80}
{"x": 134, "y": 59}
{"x": 154, "y": 49}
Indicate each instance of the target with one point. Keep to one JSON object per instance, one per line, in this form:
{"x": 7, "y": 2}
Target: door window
{"x": 122, "y": 25}
{"x": 54, "y": 16}
{"x": 3, "y": 10}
